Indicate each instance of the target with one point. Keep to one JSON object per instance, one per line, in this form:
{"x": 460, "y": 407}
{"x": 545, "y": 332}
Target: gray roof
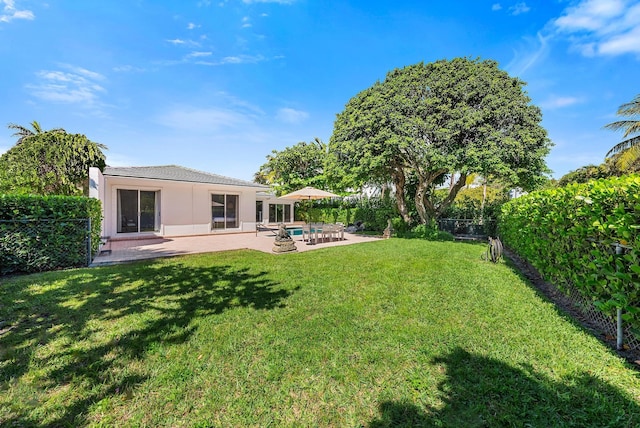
{"x": 176, "y": 173}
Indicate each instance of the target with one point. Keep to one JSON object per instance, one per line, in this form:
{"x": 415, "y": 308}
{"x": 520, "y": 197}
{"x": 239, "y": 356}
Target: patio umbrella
{"x": 308, "y": 193}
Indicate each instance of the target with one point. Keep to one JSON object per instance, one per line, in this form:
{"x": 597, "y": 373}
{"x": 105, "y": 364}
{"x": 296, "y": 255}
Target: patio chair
{"x": 335, "y": 232}
{"x": 261, "y": 226}
{"x": 327, "y": 232}
{"x": 311, "y": 232}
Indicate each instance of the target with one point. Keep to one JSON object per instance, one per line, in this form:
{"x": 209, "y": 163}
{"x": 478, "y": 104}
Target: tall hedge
{"x": 569, "y": 235}
{"x": 40, "y": 233}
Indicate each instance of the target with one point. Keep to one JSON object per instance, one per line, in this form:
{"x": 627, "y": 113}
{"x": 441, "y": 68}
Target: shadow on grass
{"x": 52, "y": 328}
{"x": 483, "y": 392}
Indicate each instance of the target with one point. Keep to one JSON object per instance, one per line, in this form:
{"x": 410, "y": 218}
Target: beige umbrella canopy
{"x": 308, "y": 193}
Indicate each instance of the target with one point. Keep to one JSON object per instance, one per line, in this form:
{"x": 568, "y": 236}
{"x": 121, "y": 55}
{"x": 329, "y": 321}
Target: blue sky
{"x": 217, "y": 85}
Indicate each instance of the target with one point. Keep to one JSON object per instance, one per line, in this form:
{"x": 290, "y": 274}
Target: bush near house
{"x": 39, "y": 233}
{"x": 373, "y": 211}
{"x": 569, "y": 235}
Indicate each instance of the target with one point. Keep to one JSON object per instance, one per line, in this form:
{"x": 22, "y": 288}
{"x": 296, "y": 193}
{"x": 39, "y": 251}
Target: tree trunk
{"x": 425, "y": 207}
{"x": 420, "y": 198}
{"x": 484, "y": 199}
{"x": 453, "y": 192}
{"x": 399, "y": 181}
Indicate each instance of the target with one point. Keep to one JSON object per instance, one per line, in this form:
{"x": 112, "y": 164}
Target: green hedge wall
{"x": 374, "y": 212}
{"x": 40, "y": 233}
{"x": 568, "y": 235}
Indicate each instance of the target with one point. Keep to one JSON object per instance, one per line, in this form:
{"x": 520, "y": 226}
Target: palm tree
{"x": 630, "y": 126}
{"x": 23, "y": 133}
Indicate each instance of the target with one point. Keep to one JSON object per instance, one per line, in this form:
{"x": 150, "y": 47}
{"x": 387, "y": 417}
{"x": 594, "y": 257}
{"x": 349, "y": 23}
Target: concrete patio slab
{"x": 141, "y": 249}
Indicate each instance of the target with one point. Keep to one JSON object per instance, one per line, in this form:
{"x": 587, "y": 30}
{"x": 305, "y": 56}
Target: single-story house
{"x": 172, "y": 200}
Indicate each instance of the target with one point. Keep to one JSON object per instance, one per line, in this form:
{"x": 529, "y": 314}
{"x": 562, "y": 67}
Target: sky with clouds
{"x": 217, "y": 85}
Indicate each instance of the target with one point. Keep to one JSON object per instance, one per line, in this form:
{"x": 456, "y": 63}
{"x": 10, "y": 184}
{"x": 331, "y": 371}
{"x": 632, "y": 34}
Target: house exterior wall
{"x": 184, "y": 207}
{"x": 96, "y": 189}
{"x": 268, "y": 199}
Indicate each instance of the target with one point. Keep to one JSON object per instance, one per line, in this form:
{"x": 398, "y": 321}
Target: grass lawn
{"x": 390, "y": 333}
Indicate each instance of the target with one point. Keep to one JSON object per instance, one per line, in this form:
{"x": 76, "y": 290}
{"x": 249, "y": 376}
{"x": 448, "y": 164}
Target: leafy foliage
{"x": 23, "y": 132}
{"x": 568, "y": 235}
{"x": 469, "y": 203}
{"x": 49, "y": 163}
{"x": 622, "y": 163}
{"x": 630, "y": 126}
{"x": 40, "y": 233}
{"x": 294, "y": 167}
{"x": 584, "y": 174}
{"x": 374, "y": 212}
{"x": 433, "y": 120}
{"x": 429, "y": 232}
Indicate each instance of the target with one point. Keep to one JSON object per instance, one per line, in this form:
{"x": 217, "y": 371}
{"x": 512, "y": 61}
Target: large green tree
{"x": 50, "y": 162}
{"x": 294, "y": 167}
{"x": 22, "y": 132}
{"x": 433, "y": 121}
{"x": 630, "y": 126}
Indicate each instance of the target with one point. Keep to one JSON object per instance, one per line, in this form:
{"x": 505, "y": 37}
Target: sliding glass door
{"x": 138, "y": 211}
{"x": 279, "y": 213}
{"x": 224, "y": 212}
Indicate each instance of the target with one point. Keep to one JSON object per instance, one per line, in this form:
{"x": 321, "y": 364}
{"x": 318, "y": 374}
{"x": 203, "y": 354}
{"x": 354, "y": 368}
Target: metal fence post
{"x": 619, "y": 330}
{"x": 89, "y": 241}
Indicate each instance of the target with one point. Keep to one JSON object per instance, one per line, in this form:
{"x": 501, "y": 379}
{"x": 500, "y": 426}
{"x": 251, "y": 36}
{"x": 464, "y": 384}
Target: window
{"x": 224, "y": 211}
{"x": 279, "y": 213}
{"x": 138, "y": 211}
{"x": 259, "y": 211}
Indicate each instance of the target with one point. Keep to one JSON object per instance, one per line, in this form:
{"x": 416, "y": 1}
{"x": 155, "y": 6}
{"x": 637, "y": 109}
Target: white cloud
{"x": 183, "y": 42}
{"x": 9, "y": 12}
{"x": 590, "y": 15}
{"x": 199, "y": 54}
{"x": 496, "y": 6}
{"x": 200, "y": 58}
{"x": 128, "y": 69}
{"x": 534, "y": 51}
{"x": 269, "y": 1}
{"x": 289, "y": 115}
{"x": 555, "y": 102}
{"x": 628, "y": 42}
{"x": 519, "y": 8}
{"x": 602, "y": 27}
{"x": 75, "y": 85}
{"x": 203, "y": 119}
{"x": 191, "y": 26}
{"x": 239, "y": 104}
{"x": 242, "y": 59}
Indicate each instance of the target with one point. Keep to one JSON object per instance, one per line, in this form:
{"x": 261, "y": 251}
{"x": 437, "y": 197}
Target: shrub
{"x": 375, "y": 212}
{"x": 40, "y": 233}
{"x": 568, "y": 235}
{"x": 429, "y": 231}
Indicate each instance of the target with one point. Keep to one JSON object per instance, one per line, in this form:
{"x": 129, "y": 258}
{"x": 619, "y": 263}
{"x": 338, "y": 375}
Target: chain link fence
{"x": 468, "y": 227}
{"x": 605, "y": 323}
{"x": 28, "y": 246}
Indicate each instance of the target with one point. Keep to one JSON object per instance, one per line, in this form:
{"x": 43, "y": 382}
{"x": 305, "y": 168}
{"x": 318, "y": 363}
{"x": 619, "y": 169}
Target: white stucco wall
{"x": 185, "y": 208}
{"x": 96, "y": 189}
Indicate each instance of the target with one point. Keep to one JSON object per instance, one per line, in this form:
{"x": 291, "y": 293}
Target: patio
{"x": 141, "y": 249}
